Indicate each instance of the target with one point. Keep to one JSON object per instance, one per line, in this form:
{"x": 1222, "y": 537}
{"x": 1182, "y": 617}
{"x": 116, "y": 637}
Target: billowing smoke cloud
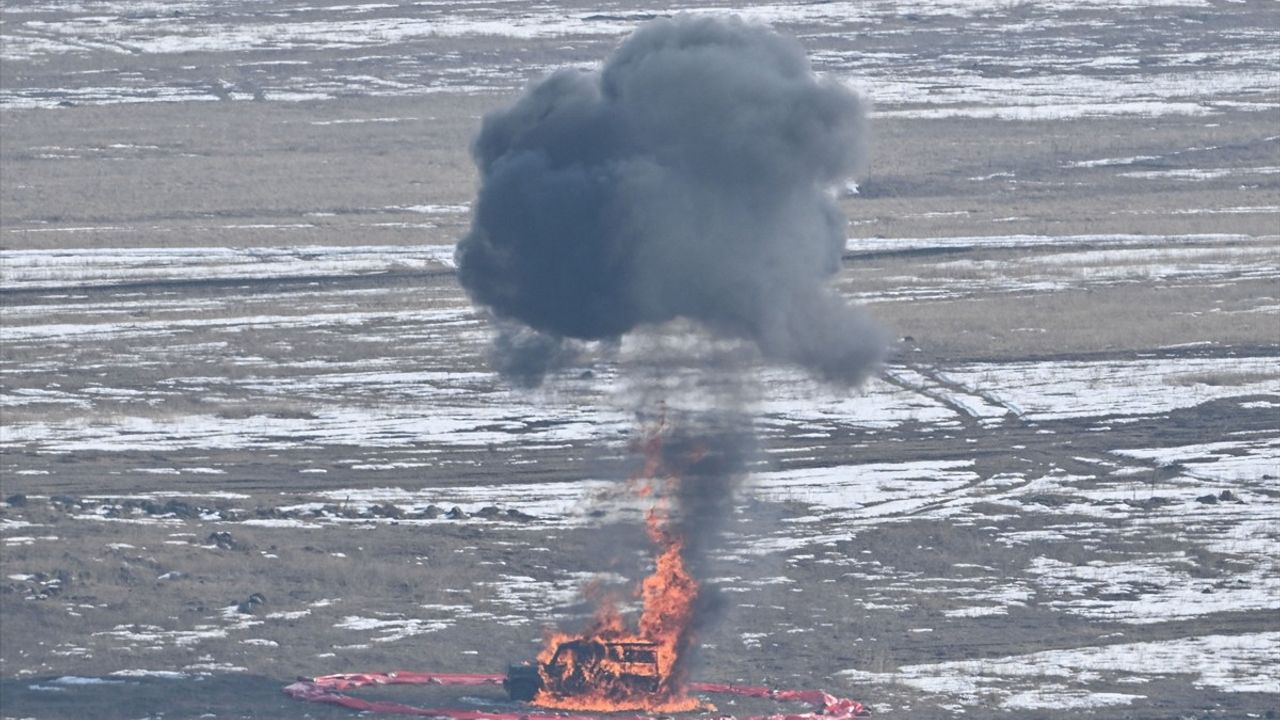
{"x": 690, "y": 178}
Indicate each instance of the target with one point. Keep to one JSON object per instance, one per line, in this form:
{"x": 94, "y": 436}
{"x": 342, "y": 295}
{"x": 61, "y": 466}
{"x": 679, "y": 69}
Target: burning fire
{"x": 611, "y": 667}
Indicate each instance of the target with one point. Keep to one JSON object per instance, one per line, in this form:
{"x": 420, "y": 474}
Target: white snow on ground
{"x": 191, "y": 494}
{"x": 1239, "y": 210}
{"x": 76, "y": 680}
{"x": 1200, "y": 173}
{"x": 1137, "y": 587}
{"x": 210, "y": 667}
{"x": 1093, "y": 261}
{"x": 551, "y": 501}
{"x": 436, "y": 209}
{"x": 28, "y": 539}
{"x": 361, "y": 427}
{"x": 160, "y": 674}
{"x": 1087, "y": 677}
{"x": 1056, "y": 242}
{"x": 1054, "y": 696}
{"x": 1166, "y": 587}
{"x": 446, "y": 424}
{"x": 1110, "y": 265}
{"x": 1227, "y": 460}
{"x": 429, "y": 406}
{"x": 115, "y": 29}
{"x": 155, "y": 636}
{"x": 1153, "y": 590}
{"x": 1012, "y": 110}
{"x": 790, "y": 398}
{"x": 393, "y": 629}
{"x": 974, "y": 405}
{"x": 524, "y": 599}
{"x": 1050, "y": 390}
{"x": 1110, "y": 162}
{"x": 51, "y": 269}
{"x": 873, "y": 490}
{"x": 977, "y": 611}
{"x": 1052, "y": 79}
{"x": 143, "y": 328}
{"x": 1062, "y": 94}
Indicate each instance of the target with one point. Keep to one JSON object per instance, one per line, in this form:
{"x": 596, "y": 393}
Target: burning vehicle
{"x": 613, "y": 665}
{"x": 576, "y": 665}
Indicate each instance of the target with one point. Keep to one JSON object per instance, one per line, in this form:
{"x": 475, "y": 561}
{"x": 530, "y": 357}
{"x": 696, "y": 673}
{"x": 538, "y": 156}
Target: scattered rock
{"x": 489, "y": 512}
{"x": 125, "y": 575}
{"x": 1154, "y": 501}
{"x": 343, "y": 510}
{"x": 43, "y": 586}
{"x": 16, "y": 500}
{"x": 222, "y": 539}
{"x": 1048, "y": 500}
{"x": 254, "y": 601}
{"x": 515, "y": 514}
{"x": 1232, "y": 584}
{"x": 1224, "y": 496}
{"x": 181, "y": 509}
{"x": 1132, "y": 591}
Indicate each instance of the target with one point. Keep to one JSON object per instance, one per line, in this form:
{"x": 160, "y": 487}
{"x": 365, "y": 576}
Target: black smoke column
{"x": 690, "y": 177}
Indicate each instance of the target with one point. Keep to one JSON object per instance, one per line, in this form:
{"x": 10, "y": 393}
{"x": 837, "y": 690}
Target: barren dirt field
{"x": 249, "y": 432}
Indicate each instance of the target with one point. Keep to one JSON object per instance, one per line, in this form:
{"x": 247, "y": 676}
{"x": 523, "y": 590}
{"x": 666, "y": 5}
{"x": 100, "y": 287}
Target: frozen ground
{"x": 248, "y": 431}
{"x": 1075, "y": 58}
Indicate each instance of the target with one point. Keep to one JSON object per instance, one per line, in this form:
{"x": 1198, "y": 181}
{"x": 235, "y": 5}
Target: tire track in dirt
{"x": 935, "y": 388}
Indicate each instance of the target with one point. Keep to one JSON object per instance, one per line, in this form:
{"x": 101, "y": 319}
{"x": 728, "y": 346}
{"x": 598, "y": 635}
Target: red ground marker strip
{"x": 328, "y": 689}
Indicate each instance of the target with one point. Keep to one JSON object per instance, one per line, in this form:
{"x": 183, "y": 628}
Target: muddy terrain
{"x": 249, "y": 431}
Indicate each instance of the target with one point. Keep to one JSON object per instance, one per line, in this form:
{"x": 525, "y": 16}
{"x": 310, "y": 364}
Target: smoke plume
{"x": 689, "y": 177}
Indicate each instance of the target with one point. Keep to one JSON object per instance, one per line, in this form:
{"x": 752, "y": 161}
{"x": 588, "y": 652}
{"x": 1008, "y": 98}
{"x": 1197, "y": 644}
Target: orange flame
{"x": 610, "y": 667}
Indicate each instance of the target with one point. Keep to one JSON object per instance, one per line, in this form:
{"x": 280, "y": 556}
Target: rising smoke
{"x": 689, "y": 177}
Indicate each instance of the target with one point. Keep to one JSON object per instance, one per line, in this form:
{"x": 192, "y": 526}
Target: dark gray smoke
{"x": 524, "y": 356}
{"x": 712, "y": 463}
{"x": 690, "y": 178}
